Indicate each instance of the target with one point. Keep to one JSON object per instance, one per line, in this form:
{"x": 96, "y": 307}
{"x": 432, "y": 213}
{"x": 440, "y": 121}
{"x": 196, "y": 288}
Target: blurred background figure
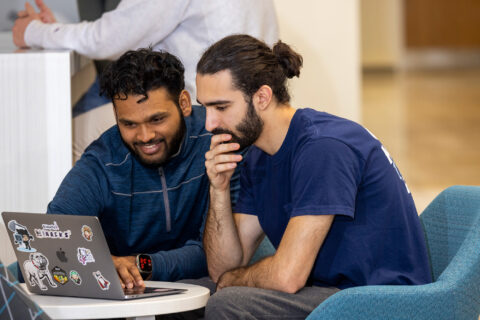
{"x": 182, "y": 27}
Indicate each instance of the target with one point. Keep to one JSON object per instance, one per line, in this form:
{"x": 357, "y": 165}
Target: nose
{"x": 144, "y": 134}
{"x": 211, "y": 120}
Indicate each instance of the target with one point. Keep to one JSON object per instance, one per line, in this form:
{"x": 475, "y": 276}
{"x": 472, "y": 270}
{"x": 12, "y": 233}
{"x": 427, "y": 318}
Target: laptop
{"x": 67, "y": 255}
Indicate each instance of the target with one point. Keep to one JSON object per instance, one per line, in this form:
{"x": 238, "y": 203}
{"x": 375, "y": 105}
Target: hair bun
{"x": 289, "y": 60}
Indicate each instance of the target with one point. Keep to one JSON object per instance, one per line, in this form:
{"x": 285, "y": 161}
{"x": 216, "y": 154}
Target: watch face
{"x": 145, "y": 263}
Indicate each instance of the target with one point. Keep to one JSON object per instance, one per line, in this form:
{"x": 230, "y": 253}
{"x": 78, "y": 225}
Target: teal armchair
{"x": 452, "y": 228}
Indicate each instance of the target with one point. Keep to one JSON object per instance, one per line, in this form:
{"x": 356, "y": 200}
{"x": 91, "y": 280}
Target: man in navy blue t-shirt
{"x": 322, "y": 188}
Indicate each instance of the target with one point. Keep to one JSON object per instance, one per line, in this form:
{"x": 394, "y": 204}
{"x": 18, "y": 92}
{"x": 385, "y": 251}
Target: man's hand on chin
{"x": 128, "y": 272}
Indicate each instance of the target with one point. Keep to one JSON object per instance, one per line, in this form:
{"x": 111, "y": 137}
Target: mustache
{"x": 153, "y": 141}
{"x": 222, "y": 131}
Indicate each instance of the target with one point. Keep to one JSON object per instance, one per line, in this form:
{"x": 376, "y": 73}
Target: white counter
{"x": 35, "y": 124}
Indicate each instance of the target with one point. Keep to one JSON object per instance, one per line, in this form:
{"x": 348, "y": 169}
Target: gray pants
{"x": 254, "y": 303}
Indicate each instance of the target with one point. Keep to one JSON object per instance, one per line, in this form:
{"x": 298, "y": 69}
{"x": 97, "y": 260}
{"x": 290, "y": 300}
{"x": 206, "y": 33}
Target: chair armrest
{"x": 430, "y": 301}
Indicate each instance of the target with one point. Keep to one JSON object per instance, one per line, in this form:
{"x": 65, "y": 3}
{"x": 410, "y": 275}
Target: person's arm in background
{"x": 131, "y": 25}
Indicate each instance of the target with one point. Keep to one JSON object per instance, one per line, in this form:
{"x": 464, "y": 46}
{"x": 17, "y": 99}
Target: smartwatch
{"x": 144, "y": 265}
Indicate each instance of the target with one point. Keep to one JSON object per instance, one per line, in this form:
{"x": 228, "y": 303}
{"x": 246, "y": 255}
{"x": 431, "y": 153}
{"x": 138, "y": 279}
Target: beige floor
{"x": 430, "y": 123}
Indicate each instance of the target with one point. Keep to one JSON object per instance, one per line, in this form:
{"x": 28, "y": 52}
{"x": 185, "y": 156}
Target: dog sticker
{"x": 36, "y": 271}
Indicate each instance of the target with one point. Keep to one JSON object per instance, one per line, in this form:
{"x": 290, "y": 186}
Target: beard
{"x": 170, "y": 148}
{"x": 249, "y": 128}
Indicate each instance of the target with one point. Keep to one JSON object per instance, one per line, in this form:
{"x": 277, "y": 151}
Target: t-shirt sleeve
{"x": 325, "y": 176}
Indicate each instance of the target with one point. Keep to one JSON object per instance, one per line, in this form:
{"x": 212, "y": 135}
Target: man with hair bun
{"x": 322, "y": 188}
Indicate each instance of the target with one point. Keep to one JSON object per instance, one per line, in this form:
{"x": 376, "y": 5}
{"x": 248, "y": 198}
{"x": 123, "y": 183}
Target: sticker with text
{"x": 36, "y": 271}
{"x": 21, "y": 236}
{"x": 75, "y": 277}
{"x": 87, "y": 233}
{"x": 52, "y": 231}
{"x": 102, "y": 282}
{"x": 85, "y": 256}
{"x": 59, "y": 275}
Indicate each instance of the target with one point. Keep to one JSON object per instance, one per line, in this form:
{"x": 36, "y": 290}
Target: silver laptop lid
{"x": 63, "y": 255}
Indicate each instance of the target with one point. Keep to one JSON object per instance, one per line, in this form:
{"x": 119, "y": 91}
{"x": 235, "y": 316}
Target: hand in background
{"x": 46, "y": 15}
{"x": 127, "y": 270}
{"x": 24, "y": 18}
{"x": 28, "y": 15}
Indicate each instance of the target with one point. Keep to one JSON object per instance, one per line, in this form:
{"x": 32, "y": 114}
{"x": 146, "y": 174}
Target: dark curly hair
{"x": 253, "y": 64}
{"x": 139, "y": 71}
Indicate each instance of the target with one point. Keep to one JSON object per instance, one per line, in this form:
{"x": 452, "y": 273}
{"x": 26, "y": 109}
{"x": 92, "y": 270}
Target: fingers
{"x": 41, "y": 5}
{"x": 221, "y": 158}
{"x": 218, "y": 139}
{"x": 222, "y": 152}
{"x": 22, "y": 14}
{"x": 128, "y": 272}
{"x": 125, "y": 277}
{"x": 136, "y": 277}
{"x": 29, "y": 9}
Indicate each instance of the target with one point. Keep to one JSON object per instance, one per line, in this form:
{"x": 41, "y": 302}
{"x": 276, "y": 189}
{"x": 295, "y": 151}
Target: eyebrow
{"x": 214, "y": 103}
{"x": 155, "y": 115}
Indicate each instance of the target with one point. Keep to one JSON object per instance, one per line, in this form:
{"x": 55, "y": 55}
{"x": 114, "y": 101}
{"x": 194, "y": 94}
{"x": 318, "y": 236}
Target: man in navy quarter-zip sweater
{"x": 145, "y": 177}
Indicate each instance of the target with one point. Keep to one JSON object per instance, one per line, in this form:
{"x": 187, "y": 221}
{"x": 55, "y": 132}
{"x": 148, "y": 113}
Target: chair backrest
{"x": 265, "y": 249}
{"x": 14, "y": 302}
{"x": 452, "y": 229}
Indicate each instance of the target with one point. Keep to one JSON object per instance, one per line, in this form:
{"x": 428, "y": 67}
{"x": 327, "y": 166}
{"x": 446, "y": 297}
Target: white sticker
{"x": 85, "y": 256}
{"x": 21, "y": 236}
{"x": 103, "y": 283}
{"x": 87, "y": 233}
{"x": 75, "y": 277}
{"x": 36, "y": 271}
{"x": 52, "y": 231}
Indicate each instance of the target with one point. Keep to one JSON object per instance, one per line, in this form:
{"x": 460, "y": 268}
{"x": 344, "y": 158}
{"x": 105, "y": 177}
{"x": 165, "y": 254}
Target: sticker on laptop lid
{"x": 52, "y": 231}
{"x": 36, "y": 271}
{"x": 21, "y": 236}
{"x": 103, "y": 283}
{"x": 85, "y": 256}
{"x": 75, "y": 277}
{"x": 87, "y": 233}
{"x": 59, "y": 275}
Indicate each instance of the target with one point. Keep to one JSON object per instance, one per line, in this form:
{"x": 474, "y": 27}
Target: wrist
{"x": 144, "y": 265}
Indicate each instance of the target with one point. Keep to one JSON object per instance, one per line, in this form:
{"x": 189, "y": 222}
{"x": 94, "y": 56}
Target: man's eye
{"x": 157, "y": 120}
{"x": 129, "y": 124}
{"x": 220, "y": 108}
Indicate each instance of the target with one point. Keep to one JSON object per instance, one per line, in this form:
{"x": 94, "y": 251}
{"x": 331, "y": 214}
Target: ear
{"x": 263, "y": 97}
{"x": 115, "y": 111}
{"x": 185, "y": 103}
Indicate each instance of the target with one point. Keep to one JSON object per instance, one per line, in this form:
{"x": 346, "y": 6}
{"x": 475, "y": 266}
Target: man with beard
{"x": 322, "y": 188}
{"x": 145, "y": 177}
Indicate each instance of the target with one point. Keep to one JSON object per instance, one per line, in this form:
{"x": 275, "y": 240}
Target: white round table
{"x": 145, "y": 308}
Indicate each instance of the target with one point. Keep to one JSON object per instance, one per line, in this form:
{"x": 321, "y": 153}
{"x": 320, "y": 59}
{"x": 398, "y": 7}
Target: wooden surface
{"x": 442, "y": 23}
{"x": 430, "y": 123}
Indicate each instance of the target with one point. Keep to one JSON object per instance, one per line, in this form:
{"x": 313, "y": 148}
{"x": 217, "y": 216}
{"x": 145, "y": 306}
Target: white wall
{"x": 382, "y": 33}
{"x": 326, "y": 33}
